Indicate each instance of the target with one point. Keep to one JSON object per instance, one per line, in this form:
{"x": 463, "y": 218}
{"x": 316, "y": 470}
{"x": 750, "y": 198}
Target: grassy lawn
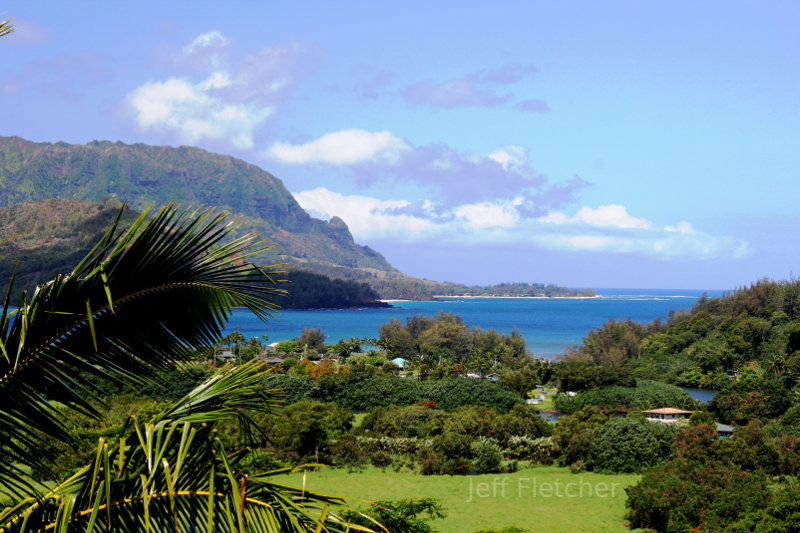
{"x": 541, "y": 499}
{"x": 548, "y": 399}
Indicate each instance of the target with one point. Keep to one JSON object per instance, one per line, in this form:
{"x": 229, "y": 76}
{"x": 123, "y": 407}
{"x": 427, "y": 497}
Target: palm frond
{"x": 175, "y": 475}
{"x": 6, "y": 27}
{"x": 144, "y": 298}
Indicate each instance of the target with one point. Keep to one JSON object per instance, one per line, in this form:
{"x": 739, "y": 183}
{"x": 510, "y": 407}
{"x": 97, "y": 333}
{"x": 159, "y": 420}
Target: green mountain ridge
{"x": 40, "y": 240}
{"x": 143, "y": 175}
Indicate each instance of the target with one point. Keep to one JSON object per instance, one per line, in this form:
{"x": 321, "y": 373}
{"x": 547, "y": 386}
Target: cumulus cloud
{"x": 217, "y": 98}
{"x": 194, "y": 113}
{"x": 488, "y": 215}
{"x": 450, "y": 176}
{"x": 344, "y": 147}
{"x": 503, "y": 222}
{"x": 367, "y": 217}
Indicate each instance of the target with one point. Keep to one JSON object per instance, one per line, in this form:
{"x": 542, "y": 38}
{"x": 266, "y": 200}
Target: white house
{"x": 666, "y": 415}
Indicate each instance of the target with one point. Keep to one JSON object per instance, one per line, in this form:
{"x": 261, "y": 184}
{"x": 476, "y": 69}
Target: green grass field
{"x": 546, "y": 499}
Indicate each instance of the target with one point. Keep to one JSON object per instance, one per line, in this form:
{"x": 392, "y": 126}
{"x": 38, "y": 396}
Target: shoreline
{"x": 524, "y": 297}
{"x": 439, "y": 296}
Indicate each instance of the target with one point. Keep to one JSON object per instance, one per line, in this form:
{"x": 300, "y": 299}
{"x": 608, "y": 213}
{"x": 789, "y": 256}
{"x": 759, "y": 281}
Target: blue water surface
{"x": 549, "y": 325}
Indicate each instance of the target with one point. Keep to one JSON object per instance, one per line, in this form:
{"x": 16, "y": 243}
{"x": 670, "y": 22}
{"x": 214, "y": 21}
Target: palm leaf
{"x": 6, "y": 27}
{"x": 144, "y": 298}
{"x": 174, "y": 475}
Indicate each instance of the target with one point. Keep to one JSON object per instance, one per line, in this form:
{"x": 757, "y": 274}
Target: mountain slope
{"x": 146, "y": 175}
{"x": 42, "y": 239}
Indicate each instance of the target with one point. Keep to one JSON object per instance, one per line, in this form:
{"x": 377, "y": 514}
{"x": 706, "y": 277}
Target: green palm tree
{"x": 145, "y": 298}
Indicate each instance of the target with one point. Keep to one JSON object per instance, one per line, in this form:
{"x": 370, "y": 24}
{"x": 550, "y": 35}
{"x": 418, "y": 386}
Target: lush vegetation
{"x": 754, "y": 327}
{"x": 308, "y": 290}
{"x": 746, "y": 345}
{"x": 360, "y": 391}
{"x": 646, "y": 394}
{"x": 424, "y": 416}
{"x": 41, "y": 240}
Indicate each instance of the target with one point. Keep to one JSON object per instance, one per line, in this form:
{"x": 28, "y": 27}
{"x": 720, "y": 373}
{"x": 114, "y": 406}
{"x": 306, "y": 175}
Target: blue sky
{"x": 605, "y": 144}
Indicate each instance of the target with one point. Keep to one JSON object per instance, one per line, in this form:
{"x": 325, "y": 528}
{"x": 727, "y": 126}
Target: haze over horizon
{"x": 614, "y": 144}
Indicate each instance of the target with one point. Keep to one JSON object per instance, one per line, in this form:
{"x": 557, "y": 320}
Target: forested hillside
{"x": 143, "y": 175}
{"x": 42, "y": 239}
{"x": 756, "y": 327}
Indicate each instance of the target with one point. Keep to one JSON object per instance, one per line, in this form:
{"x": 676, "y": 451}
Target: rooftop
{"x": 668, "y": 411}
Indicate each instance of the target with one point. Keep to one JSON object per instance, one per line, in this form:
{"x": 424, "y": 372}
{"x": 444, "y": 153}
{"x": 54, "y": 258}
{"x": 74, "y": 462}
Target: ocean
{"x": 549, "y": 326}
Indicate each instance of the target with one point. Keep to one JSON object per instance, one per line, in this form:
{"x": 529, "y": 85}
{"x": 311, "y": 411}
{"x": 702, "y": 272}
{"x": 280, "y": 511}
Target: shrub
{"x": 487, "y": 455}
{"x": 399, "y": 516}
{"x": 625, "y": 445}
{"x": 380, "y": 459}
{"x": 348, "y": 452}
{"x": 646, "y": 395}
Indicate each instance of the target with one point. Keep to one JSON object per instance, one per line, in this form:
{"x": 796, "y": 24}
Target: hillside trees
{"x": 756, "y": 327}
{"x": 445, "y": 338}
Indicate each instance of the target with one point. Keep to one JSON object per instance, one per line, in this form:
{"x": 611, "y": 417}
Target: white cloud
{"x": 682, "y": 227}
{"x": 511, "y": 157}
{"x": 217, "y": 99}
{"x": 605, "y": 216}
{"x": 502, "y": 222}
{"x": 343, "y": 147}
{"x": 190, "y": 110}
{"x": 367, "y": 218}
{"x": 213, "y": 38}
{"x": 554, "y": 217}
{"x": 610, "y": 216}
{"x": 488, "y": 215}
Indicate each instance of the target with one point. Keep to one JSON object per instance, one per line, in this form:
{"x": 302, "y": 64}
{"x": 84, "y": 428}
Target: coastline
{"x": 524, "y": 297}
{"x": 438, "y": 296}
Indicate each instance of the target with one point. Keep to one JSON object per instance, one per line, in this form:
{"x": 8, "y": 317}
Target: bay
{"x": 549, "y": 325}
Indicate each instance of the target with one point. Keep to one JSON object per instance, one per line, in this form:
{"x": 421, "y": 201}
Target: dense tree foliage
{"x": 445, "y": 337}
{"x": 361, "y": 391}
{"x": 647, "y": 394}
{"x": 308, "y": 290}
{"x": 753, "y": 327}
{"x": 631, "y": 445}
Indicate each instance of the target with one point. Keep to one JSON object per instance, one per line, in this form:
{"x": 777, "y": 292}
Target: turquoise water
{"x": 548, "y": 325}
